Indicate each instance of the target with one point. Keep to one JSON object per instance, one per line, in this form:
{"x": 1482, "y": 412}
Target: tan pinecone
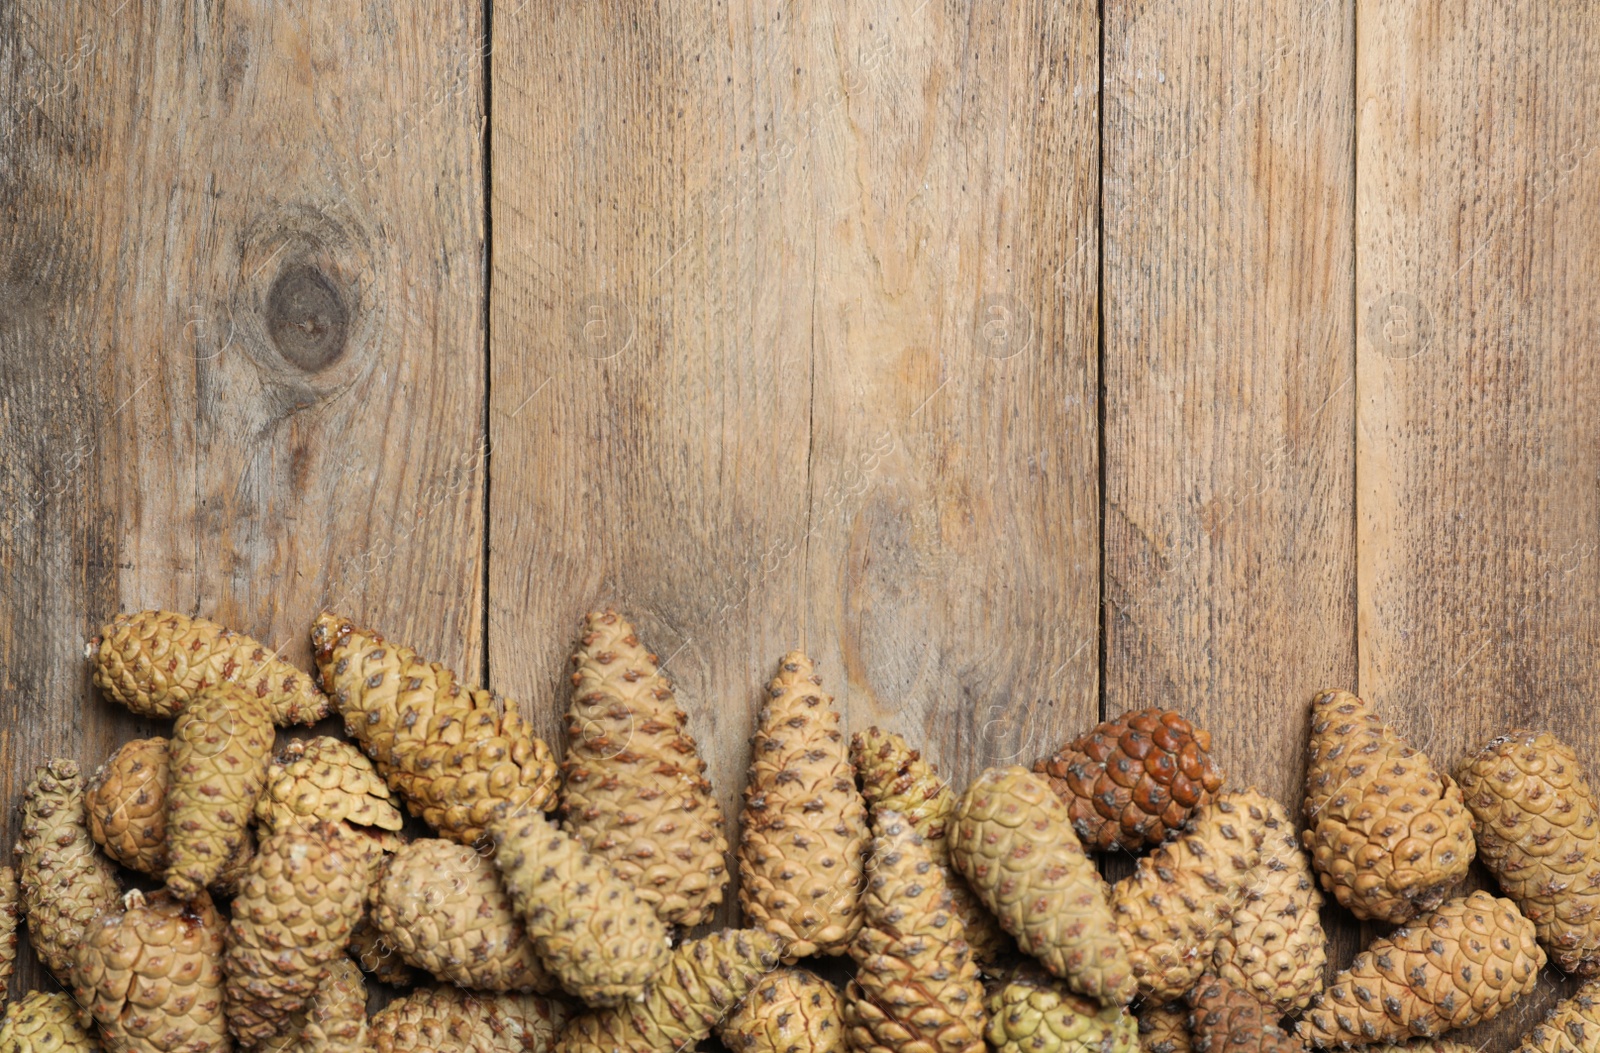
{"x": 336, "y": 1021}
{"x": 65, "y": 882}
{"x": 376, "y": 957}
{"x": 1460, "y": 965}
{"x": 704, "y": 981}
{"x": 441, "y": 905}
{"x": 635, "y": 790}
{"x": 291, "y": 920}
{"x": 804, "y": 824}
{"x": 1012, "y": 840}
{"x": 1172, "y": 910}
{"x": 1224, "y": 1018}
{"x": 1164, "y": 1028}
{"x": 453, "y": 753}
{"x": 1573, "y": 1026}
{"x": 44, "y": 1023}
{"x": 789, "y": 1011}
{"x": 325, "y": 778}
{"x": 157, "y": 662}
{"x": 915, "y": 984}
{"x": 126, "y": 801}
{"x": 450, "y": 1020}
{"x": 149, "y": 974}
{"x": 1033, "y": 1012}
{"x": 895, "y": 778}
{"x": 1387, "y": 831}
{"x": 1425, "y": 1045}
{"x": 10, "y": 903}
{"x": 221, "y": 744}
{"x": 1538, "y": 832}
{"x": 1134, "y": 781}
{"x": 592, "y": 929}
{"x": 1274, "y": 947}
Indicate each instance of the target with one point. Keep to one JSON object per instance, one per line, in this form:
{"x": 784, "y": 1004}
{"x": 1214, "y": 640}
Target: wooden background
{"x": 1025, "y": 362}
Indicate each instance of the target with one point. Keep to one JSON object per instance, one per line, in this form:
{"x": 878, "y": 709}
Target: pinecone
{"x": 592, "y": 929}
{"x": 336, "y": 1021}
{"x": 704, "y": 981}
{"x": 915, "y": 984}
{"x": 1424, "y": 1045}
{"x": 221, "y": 744}
{"x": 635, "y": 789}
{"x": 1033, "y": 1012}
{"x": 150, "y": 975}
{"x": 375, "y": 956}
{"x": 442, "y": 907}
{"x": 895, "y": 778}
{"x": 1537, "y": 832}
{"x": 157, "y": 662}
{"x": 44, "y": 1023}
{"x": 126, "y": 802}
{"x": 453, "y": 753}
{"x": 1225, "y": 1018}
{"x": 1388, "y": 833}
{"x": 789, "y": 1011}
{"x": 291, "y": 920}
{"x": 10, "y": 899}
{"x": 805, "y": 827}
{"x": 1458, "y": 966}
{"x": 1164, "y": 1028}
{"x": 1133, "y": 781}
{"x": 1173, "y": 909}
{"x": 1274, "y": 947}
{"x": 1572, "y": 1026}
{"x": 1012, "y": 840}
{"x": 450, "y": 1020}
{"x": 325, "y": 778}
{"x": 64, "y": 881}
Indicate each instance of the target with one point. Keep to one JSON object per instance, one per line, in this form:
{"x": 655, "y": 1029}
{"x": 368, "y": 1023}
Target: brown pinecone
{"x": 150, "y": 975}
{"x": 790, "y": 1011}
{"x": 1225, "y": 1019}
{"x": 291, "y": 921}
{"x": 1164, "y": 1028}
{"x": 915, "y": 984}
{"x": 65, "y": 882}
{"x": 804, "y": 824}
{"x": 126, "y": 801}
{"x": 1274, "y": 946}
{"x": 450, "y": 1020}
{"x": 1538, "y": 832}
{"x": 1173, "y": 909}
{"x": 1387, "y": 831}
{"x": 373, "y": 953}
{"x": 157, "y": 662}
{"x": 10, "y": 903}
{"x": 1133, "y": 781}
{"x": 1033, "y": 1012}
{"x": 1572, "y": 1026}
{"x": 1460, "y": 965}
{"x": 453, "y": 753}
{"x": 635, "y": 790}
{"x": 441, "y": 905}
{"x": 44, "y": 1023}
{"x": 895, "y": 778}
{"x": 325, "y": 778}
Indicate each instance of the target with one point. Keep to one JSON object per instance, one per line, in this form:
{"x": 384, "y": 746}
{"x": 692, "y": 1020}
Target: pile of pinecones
{"x": 970, "y": 918}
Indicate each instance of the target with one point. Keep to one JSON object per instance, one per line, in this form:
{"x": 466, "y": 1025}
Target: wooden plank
{"x": 1228, "y": 285}
{"x": 733, "y": 258}
{"x": 1477, "y": 457}
{"x": 242, "y": 335}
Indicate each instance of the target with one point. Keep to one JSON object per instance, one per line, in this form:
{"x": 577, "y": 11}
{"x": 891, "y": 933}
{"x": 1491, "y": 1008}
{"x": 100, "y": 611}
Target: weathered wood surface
{"x": 1476, "y": 438}
{"x": 241, "y": 321}
{"x": 795, "y": 322}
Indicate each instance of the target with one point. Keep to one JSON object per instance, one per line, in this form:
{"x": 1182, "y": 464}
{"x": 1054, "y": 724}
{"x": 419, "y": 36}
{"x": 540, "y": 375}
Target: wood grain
{"x": 803, "y": 224}
{"x": 242, "y": 325}
{"x": 1477, "y": 452}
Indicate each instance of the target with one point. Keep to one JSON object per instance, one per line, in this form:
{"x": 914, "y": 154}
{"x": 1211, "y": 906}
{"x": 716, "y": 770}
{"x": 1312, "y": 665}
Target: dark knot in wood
{"x": 307, "y": 319}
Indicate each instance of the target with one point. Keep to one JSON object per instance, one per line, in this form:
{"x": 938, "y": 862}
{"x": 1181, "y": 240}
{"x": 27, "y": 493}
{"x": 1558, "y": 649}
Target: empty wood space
{"x": 1025, "y": 362}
